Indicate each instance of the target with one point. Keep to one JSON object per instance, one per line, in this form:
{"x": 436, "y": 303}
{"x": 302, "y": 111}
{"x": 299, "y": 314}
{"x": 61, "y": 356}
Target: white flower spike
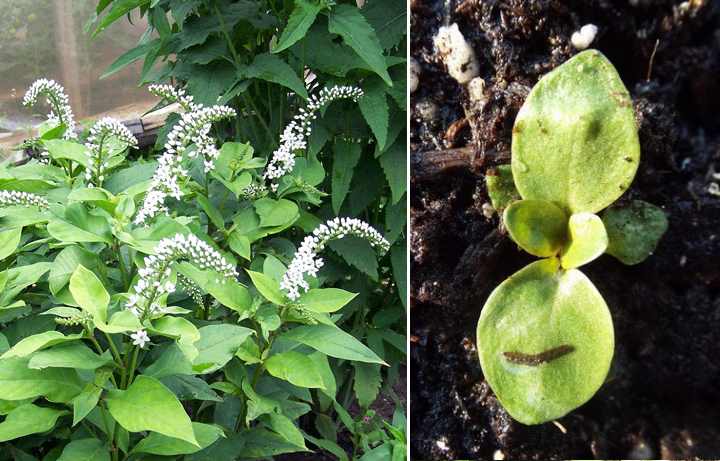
{"x": 171, "y": 94}
{"x": 100, "y": 132}
{"x": 298, "y": 131}
{"x": 140, "y": 338}
{"x": 57, "y": 99}
{"x": 153, "y": 281}
{"x": 14, "y": 197}
{"x": 306, "y": 260}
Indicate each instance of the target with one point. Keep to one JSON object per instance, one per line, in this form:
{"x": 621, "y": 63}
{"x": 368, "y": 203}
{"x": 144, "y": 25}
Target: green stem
{"x": 133, "y": 364}
{"x": 100, "y": 351}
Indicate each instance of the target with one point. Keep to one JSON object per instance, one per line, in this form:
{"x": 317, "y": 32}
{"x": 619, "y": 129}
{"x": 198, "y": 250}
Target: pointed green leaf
{"x": 158, "y": 444}
{"x": 74, "y": 355}
{"x": 295, "y": 368}
{"x": 28, "y": 419}
{"x": 301, "y": 19}
{"x": 37, "y": 342}
{"x": 375, "y": 109}
{"x": 634, "y": 230}
{"x": 367, "y": 383}
{"x": 273, "y": 69}
{"x": 587, "y": 240}
{"x": 85, "y": 450}
{"x": 268, "y": 287}
{"x": 332, "y": 341}
{"x": 349, "y": 23}
{"x": 326, "y": 299}
{"x": 545, "y": 340}
{"x": 538, "y": 227}
{"x": 346, "y": 155}
{"x": 217, "y": 346}
{"x": 18, "y": 382}
{"x": 89, "y": 292}
{"x": 147, "y": 405}
{"x": 575, "y": 139}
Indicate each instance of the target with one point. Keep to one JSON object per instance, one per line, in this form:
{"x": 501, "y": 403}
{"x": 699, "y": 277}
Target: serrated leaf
{"x": 394, "y": 164}
{"x": 273, "y": 69}
{"x": 300, "y": 20}
{"x": 374, "y": 107}
{"x": 367, "y": 383}
{"x": 388, "y": 18}
{"x": 346, "y": 155}
{"x": 398, "y": 259}
{"x": 347, "y": 21}
{"x": 358, "y": 253}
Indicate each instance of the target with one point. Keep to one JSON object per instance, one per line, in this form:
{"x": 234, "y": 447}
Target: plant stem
{"x": 133, "y": 364}
{"x": 100, "y": 351}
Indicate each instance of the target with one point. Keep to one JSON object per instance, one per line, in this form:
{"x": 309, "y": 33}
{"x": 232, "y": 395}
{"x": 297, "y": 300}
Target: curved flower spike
{"x": 60, "y": 110}
{"x": 99, "y": 133}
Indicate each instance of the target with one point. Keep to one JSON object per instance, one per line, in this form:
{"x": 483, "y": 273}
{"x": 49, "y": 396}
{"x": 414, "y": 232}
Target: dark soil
{"x": 662, "y": 397}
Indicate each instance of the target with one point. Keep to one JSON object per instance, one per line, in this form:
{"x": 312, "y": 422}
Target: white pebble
{"x": 457, "y": 54}
{"x": 476, "y": 89}
{"x": 584, "y": 37}
{"x": 414, "y": 75}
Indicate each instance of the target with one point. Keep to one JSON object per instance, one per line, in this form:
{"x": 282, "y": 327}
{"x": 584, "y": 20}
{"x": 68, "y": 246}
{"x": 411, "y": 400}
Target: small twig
{"x": 652, "y": 60}
{"x": 425, "y": 165}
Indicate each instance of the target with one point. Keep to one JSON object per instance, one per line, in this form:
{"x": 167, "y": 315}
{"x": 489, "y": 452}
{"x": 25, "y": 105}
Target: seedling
{"x": 545, "y": 335}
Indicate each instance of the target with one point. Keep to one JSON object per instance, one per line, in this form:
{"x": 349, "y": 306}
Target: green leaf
{"x": 587, "y": 239}
{"x": 575, "y": 139}
{"x": 77, "y": 225}
{"x": 268, "y": 288}
{"x": 158, "y": 444}
{"x": 230, "y": 293}
{"x": 275, "y": 212}
{"x": 217, "y": 346}
{"x": 147, "y": 405}
{"x": 538, "y": 227}
{"x": 240, "y": 244}
{"x": 37, "y": 342}
{"x": 65, "y": 264}
{"x": 28, "y": 419}
{"x": 375, "y": 109}
{"x": 60, "y": 149}
{"x": 295, "y": 368}
{"x": 501, "y": 187}
{"x": 190, "y": 388}
{"x": 119, "y": 9}
{"x": 367, "y": 383}
{"x": 345, "y": 159}
{"x": 120, "y": 322}
{"x": 388, "y": 18}
{"x": 85, "y": 450}
{"x": 322, "y": 365}
{"x": 273, "y": 69}
{"x": 358, "y": 253}
{"x": 326, "y": 299}
{"x": 182, "y": 330}
{"x": 332, "y": 341}
{"x": 18, "y": 382}
{"x": 9, "y": 241}
{"x": 130, "y": 57}
{"x": 634, "y": 230}
{"x": 394, "y": 164}
{"x": 211, "y": 211}
{"x": 73, "y": 355}
{"x": 261, "y": 443}
{"x": 282, "y": 425}
{"x": 89, "y": 292}
{"x": 301, "y": 19}
{"x": 545, "y": 341}
{"x": 172, "y": 361}
{"x": 346, "y": 21}
{"x": 85, "y": 402}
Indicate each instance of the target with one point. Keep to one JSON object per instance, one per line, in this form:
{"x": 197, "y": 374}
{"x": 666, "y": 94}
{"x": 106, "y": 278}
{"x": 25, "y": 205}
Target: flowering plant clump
{"x": 60, "y": 110}
{"x": 105, "y": 129}
{"x": 156, "y": 302}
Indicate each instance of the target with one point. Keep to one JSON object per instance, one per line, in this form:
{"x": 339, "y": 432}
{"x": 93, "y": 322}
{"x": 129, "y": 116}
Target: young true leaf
{"x": 545, "y": 341}
{"x": 586, "y": 240}
{"x": 539, "y": 227}
{"x": 575, "y": 139}
{"x": 501, "y": 187}
{"x": 147, "y": 405}
{"x": 634, "y": 230}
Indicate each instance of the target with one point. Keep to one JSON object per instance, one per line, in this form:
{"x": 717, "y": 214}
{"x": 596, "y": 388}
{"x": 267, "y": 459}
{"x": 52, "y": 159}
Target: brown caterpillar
{"x": 534, "y": 360}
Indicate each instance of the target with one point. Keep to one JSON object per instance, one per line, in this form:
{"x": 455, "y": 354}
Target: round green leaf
{"x": 545, "y": 341}
{"x": 575, "y": 139}
{"x": 634, "y": 231}
{"x": 538, "y": 227}
{"x": 587, "y": 240}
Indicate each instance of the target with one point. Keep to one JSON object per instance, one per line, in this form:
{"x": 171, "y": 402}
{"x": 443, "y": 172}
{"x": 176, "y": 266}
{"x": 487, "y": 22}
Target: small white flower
{"x": 140, "y": 338}
{"x": 100, "y": 132}
{"x": 153, "y": 281}
{"x": 14, "y": 197}
{"x": 60, "y": 110}
{"x": 296, "y": 133}
{"x": 171, "y": 94}
{"x": 306, "y": 260}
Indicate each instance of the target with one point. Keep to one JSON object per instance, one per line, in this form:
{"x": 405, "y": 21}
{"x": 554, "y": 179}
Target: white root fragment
{"x": 584, "y": 37}
{"x": 414, "y": 75}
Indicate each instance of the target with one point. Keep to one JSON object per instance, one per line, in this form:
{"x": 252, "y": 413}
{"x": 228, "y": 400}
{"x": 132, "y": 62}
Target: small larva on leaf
{"x": 538, "y": 359}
